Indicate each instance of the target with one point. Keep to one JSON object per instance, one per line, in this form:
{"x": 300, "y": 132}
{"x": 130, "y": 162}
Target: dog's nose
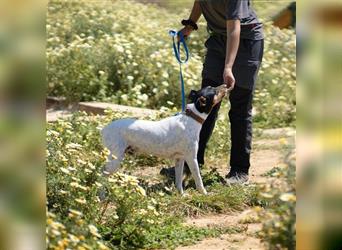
{"x": 221, "y": 90}
{"x": 221, "y": 87}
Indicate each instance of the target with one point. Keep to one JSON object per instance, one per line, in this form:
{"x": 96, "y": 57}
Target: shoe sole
{"x": 238, "y": 183}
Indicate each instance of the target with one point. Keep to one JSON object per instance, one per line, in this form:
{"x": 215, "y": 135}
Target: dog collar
{"x": 190, "y": 113}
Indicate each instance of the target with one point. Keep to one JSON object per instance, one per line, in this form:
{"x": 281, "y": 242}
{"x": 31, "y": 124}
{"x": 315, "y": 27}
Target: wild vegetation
{"x": 120, "y": 52}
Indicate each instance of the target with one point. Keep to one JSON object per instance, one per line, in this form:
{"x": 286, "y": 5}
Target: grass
{"x": 172, "y": 231}
{"x": 169, "y": 237}
{"x": 271, "y": 172}
{"x": 221, "y": 198}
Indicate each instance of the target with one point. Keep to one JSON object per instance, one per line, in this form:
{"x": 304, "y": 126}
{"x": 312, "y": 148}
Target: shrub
{"x": 275, "y": 96}
{"x": 126, "y": 60}
{"x": 279, "y": 216}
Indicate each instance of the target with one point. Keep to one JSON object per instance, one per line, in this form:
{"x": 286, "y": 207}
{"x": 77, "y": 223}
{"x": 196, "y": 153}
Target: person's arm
{"x": 233, "y": 40}
{"x": 195, "y": 14}
{"x": 236, "y": 10}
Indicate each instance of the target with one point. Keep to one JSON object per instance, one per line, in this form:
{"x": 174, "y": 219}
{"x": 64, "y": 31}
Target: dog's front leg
{"x": 193, "y": 165}
{"x": 179, "y": 175}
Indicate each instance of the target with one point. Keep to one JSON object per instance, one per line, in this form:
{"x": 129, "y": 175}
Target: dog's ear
{"x": 202, "y": 101}
{"x": 192, "y": 96}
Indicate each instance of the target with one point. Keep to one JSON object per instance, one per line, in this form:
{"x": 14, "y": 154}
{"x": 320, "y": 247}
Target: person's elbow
{"x": 233, "y": 27}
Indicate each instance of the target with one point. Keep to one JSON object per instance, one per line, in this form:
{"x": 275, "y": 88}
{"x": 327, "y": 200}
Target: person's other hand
{"x": 186, "y": 31}
{"x": 228, "y": 78}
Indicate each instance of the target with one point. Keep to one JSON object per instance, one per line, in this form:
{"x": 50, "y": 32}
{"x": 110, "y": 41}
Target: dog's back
{"x": 161, "y": 138}
{"x": 156, "y": 137}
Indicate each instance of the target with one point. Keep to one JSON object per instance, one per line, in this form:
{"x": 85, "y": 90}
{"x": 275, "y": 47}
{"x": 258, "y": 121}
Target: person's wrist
{"x": 190, "y": 23}
{"x": 189, "y": 28}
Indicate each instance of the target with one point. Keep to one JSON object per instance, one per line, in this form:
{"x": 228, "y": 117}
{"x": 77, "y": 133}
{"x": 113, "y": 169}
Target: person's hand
{"x": 228, "y": 78}
{"x": 186, "y": 31}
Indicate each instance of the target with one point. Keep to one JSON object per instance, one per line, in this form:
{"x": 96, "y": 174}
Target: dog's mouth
{"x": 206, "y": 98}
{"x": 221, "y": 92}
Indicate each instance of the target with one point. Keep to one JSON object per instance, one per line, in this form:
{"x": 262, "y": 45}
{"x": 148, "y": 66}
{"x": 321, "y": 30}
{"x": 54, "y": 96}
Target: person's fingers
{"x": 230, "y": 88}
{"x": 179, "y": 37}
{"x": 185, "y": 32}
{"x": 230, "y": 82}
{"x": 184, "y": 36}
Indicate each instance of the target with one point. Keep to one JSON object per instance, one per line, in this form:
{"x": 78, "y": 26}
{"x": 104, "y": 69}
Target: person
{"x": 234, "y": 54}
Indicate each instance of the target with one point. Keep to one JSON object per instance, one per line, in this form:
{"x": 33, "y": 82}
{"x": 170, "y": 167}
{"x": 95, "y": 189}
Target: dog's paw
{"x": 185, "y": 195}
{"x": 204, "y": 192}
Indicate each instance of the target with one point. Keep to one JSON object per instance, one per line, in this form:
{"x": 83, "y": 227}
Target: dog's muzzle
{"x": 221, "y": 90}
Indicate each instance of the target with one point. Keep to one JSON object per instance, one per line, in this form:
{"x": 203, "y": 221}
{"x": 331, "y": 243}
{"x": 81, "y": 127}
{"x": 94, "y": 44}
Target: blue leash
{"x": 176, "y": 50}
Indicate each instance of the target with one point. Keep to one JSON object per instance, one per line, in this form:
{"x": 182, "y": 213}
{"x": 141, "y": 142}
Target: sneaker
{"x": 170, "y": 173}
{"x": 237, "y": 178}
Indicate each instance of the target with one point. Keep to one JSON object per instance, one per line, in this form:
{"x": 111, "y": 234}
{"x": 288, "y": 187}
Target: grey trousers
{"x": 245, "y": 70}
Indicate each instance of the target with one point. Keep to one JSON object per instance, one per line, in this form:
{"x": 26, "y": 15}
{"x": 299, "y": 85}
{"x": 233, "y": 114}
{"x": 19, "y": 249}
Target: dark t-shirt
{"x": 217, "y": 12}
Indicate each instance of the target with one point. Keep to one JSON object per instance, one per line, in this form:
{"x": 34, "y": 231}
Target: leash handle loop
{"x": 176, "y": 50}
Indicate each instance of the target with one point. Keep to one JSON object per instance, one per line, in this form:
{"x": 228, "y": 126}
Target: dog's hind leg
{"x": 179, "y": 175}
{"x": 113, "y": 163}
{"x": 193, "y": 165}
{"x": 115, "y": 157}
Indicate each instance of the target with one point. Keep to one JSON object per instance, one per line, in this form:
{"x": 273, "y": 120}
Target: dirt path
{"x": 266, "y": 155}
{"x": 227, "y": 242}
{"x": 245, "y": 240}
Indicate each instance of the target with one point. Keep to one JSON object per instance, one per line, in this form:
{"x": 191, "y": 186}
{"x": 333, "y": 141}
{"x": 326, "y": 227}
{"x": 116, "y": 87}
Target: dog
{"x": 175, "y": 137}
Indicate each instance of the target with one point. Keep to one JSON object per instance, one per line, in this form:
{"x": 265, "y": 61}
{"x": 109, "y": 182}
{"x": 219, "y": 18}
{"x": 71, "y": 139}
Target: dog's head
{"x": 206, "y": 98}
